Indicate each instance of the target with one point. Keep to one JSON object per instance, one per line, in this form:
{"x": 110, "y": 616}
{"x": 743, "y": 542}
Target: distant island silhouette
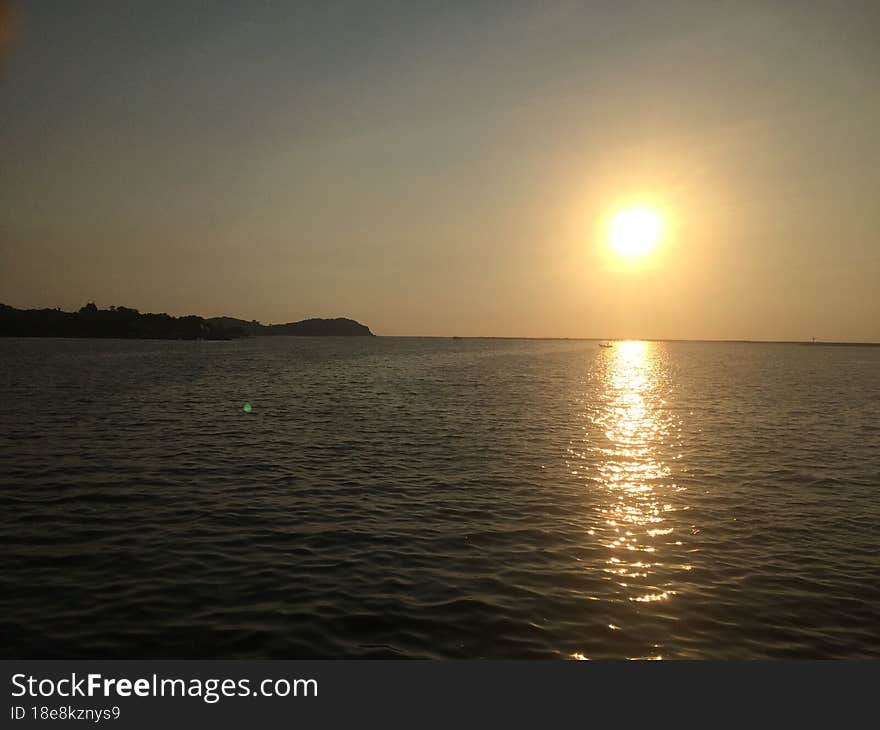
{"x": 127, "y": 323}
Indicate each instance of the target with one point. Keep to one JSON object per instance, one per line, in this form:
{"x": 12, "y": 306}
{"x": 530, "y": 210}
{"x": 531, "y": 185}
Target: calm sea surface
{"x": 405, "y": 497}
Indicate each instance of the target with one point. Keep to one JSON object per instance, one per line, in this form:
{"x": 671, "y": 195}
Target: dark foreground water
{"x": 438, "y": 498}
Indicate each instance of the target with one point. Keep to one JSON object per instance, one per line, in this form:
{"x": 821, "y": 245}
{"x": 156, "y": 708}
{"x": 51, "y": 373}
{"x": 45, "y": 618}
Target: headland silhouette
{"x": 127, "y": 323}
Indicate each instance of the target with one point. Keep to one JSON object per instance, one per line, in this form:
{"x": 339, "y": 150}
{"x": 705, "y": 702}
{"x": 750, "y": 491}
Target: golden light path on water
{"x": 629, "y": 429}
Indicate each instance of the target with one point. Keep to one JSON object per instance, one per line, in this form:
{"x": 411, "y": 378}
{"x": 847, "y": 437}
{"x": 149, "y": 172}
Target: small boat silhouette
{"x": 605, "y": 344}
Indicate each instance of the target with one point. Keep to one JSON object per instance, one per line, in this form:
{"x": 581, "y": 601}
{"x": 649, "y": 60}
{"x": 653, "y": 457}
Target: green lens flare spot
{"x": 248, "y": 408}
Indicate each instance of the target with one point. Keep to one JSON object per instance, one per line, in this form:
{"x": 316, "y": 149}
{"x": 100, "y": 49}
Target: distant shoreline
{"x": 130, "y": 324}
{"x": 449, "y": 337}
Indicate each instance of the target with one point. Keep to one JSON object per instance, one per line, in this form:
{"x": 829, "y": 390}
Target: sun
{"x": 634, "y": 232}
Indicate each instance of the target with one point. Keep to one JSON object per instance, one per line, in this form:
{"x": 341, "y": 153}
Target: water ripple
{"x": 434, "y": 498}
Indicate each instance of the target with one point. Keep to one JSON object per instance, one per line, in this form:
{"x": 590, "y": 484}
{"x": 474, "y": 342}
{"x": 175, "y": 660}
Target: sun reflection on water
{"x": 629, "y": 428}
{"x": 634, "y": 422}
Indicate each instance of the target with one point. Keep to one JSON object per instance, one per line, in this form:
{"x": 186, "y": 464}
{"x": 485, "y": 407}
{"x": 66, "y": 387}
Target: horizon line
{"x": 813, "y": 341}
{"x": 839, "y": 343}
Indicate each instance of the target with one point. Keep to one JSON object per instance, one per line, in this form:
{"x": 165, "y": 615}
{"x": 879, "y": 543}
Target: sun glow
{"x": 635, "y": 232}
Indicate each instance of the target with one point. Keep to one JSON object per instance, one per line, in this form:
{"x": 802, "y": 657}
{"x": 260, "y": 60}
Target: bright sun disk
{"x": 635, "y": 231}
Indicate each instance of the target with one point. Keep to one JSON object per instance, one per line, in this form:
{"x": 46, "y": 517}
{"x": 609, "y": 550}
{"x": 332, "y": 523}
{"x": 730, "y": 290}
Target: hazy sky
{"x": 447, "y": 168}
